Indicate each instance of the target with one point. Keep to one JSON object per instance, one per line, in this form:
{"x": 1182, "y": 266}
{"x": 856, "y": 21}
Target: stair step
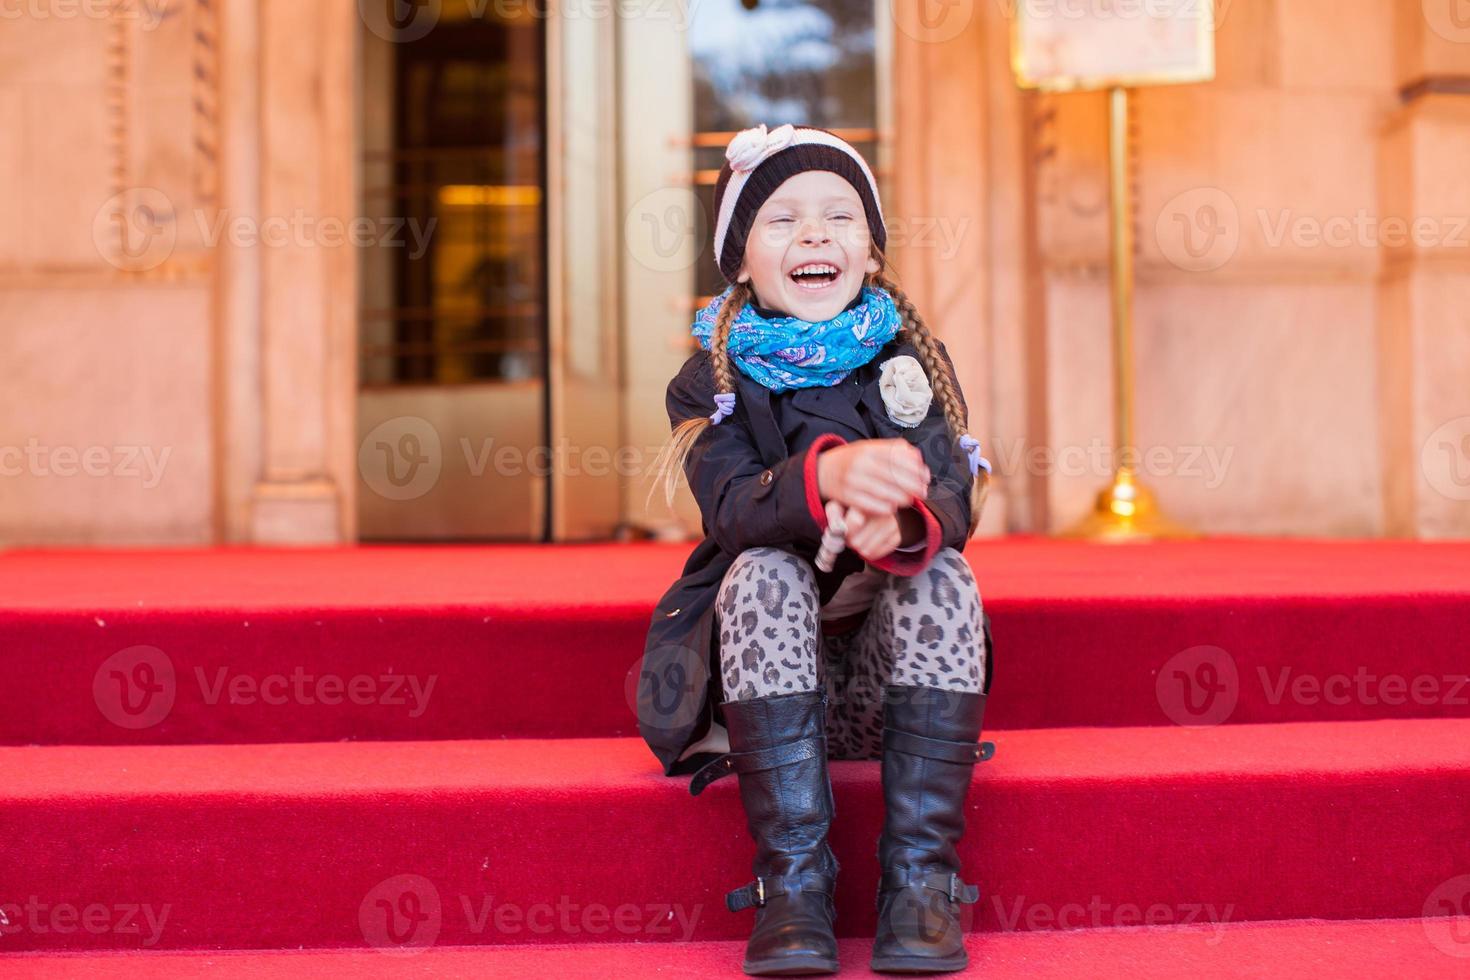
{"x": 275, "y": 846}
{"x": 410, "y": 643}
{"x": 1306, "y": 949}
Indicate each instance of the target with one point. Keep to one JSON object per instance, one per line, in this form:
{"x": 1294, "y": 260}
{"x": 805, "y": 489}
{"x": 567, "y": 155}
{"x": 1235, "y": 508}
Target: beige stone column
{"x": 288, "y": 299}
{"x": 1424, "y": 326}
{"x": 1256, "y": 273}
{"x": 583, "y": 336}
{"x": 953, "y": 192}
{"x": 663, "y": 232}
{"x": 109, "y": 120}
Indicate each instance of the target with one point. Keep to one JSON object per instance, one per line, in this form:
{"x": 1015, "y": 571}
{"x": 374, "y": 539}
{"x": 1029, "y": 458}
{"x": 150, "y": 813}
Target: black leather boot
{"x": 930, "y": 747}
{"x": 778, "y": 746}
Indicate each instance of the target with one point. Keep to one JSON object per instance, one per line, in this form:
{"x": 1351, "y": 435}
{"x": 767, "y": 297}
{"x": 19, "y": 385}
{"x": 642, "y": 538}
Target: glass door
{"x": 805, "y": 62}
{"x": 454, "y": 309}
{"x": 726, "y": 65}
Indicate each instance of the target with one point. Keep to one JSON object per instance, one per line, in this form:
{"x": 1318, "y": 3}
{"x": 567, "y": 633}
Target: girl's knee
{"x": 767, "y": 611}
{"x": 946, "y": 582}
{"x": 950, "y": 564}
{"x": 939, "y": 638}
{"x": 766, "y": 566}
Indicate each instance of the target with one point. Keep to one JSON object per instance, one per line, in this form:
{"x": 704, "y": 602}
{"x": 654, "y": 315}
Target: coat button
{"x": 766, "y": 478}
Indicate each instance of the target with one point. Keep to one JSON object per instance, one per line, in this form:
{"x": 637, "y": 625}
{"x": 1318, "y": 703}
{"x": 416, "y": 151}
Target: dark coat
{"x": 753, "y": 476}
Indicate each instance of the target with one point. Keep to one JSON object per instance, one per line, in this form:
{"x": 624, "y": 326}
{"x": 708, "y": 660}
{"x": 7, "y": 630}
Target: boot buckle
{"x": 811, "y": 747}
{"x": 752, "y": 895}
{"x": 945, "y": 883}
{"x": 758, "y": 893}
{"x": 747, "y": 896}
{"x": 961, "y": 892}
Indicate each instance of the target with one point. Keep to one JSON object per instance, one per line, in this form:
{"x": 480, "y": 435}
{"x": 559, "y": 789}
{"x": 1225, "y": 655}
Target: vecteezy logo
{"x": 1198, "y": 687}
{"x": 661, "y": 227}
{"x": 401, "y": 915}
{"x": 664, "y": 686}
{"x": 927, "y": 921}
{"x": 1447, "y": 917}
{"x": 932, "y": 21}
{"x": 1199, "y": 230}
{"x": 136, "y": 229}
{"x": 1450, "y": 19}
{"x": 1445, "y": 459}
{"x": 135, "y": 688}
{"x": 401, "y": 459}
{"x": 400, "y": 21}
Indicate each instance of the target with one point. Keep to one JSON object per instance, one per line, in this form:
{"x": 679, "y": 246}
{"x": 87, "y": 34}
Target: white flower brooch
{"x": 905, "y": 389}
{"x": 751, "y": 146}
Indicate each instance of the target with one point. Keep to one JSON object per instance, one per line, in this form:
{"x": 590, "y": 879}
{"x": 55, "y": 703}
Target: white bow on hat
{"x": 751, "y": 146}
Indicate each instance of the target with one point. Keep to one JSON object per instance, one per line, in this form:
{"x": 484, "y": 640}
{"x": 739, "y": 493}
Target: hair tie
{"x": 724, "y": 405}
{"x": 971, "y": 446}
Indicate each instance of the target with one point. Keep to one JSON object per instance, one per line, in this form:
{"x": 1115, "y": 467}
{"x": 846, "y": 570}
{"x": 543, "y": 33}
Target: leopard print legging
{"x": 923, "y": 629}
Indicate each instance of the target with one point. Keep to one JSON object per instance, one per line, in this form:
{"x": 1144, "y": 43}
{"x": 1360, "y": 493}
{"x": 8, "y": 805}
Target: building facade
{"x": 345, "y": 270}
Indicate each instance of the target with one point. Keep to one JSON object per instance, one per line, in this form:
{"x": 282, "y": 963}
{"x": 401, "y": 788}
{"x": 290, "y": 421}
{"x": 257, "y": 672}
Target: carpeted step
{"x": 240, "y": 645}
{"x": 528, "y": 841}
{"x": 1288, "y": 950}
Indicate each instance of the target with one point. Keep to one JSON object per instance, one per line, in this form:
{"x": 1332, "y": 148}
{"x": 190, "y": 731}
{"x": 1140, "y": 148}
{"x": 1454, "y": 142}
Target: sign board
{"x": 1068, "y": 45}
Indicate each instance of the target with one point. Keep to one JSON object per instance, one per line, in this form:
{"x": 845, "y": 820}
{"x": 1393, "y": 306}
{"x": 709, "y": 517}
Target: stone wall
{"x": 1303, "y": 302}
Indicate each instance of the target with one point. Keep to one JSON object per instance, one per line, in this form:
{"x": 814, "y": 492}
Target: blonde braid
{"x": 946, "y": 386}
{"x": 670, "y": 462}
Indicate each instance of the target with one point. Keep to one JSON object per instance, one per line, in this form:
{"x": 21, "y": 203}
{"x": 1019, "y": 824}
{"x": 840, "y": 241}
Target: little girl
{"x": 821, "y": 400}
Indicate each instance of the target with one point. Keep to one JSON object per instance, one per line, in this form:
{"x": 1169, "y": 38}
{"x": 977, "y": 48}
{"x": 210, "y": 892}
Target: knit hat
{"x": 757, "y": 162}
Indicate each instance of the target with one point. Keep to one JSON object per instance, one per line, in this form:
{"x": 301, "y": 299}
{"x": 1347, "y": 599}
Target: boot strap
{"x": 944, "y": 882}
{"x": 761, "y": 890}
{"x": 781, "y": 755}
{"x": 937, "y": 748}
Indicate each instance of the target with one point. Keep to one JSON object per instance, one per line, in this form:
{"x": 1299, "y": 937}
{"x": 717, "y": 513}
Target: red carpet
{"x": 496, "y": 795}
{"x": 1082, "y": 632}
{"x": 1354, "y": 820}
{"x": 1231, "y": 951}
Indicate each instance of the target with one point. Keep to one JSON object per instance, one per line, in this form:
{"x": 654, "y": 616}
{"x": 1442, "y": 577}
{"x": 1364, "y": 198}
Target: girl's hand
{"x": 874, "y": 475}
{"x": 872, "y": 536}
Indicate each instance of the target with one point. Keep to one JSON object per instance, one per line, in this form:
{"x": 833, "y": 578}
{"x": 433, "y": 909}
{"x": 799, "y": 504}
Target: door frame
{"x": 584, "y": 330}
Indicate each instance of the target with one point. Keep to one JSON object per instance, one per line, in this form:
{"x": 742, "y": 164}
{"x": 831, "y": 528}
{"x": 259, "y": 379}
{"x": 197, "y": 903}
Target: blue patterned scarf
{"x": 783, "y": 352}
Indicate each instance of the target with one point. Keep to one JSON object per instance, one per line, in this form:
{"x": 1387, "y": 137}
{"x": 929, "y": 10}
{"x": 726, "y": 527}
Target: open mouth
{"x": 815, "y": 275}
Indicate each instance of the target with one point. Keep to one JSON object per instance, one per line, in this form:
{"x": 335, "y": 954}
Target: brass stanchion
{"x": 1125, "y": 511}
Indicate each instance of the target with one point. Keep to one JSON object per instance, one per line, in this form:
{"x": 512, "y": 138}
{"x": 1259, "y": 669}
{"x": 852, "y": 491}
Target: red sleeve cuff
{"x": 826, "y": 440}
{"x": 912, "y": 562}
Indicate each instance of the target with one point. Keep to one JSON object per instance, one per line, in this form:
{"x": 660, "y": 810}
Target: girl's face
{"x": 809, "y": 248}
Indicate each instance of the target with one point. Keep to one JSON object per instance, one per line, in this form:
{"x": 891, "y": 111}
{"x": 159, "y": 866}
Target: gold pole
{"x": 1125, "y": 511}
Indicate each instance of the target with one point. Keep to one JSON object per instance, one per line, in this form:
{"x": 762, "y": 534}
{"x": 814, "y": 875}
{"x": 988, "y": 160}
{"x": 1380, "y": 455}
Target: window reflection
{"x": 808, "y": 62}
{"x": 464, "y": 159}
